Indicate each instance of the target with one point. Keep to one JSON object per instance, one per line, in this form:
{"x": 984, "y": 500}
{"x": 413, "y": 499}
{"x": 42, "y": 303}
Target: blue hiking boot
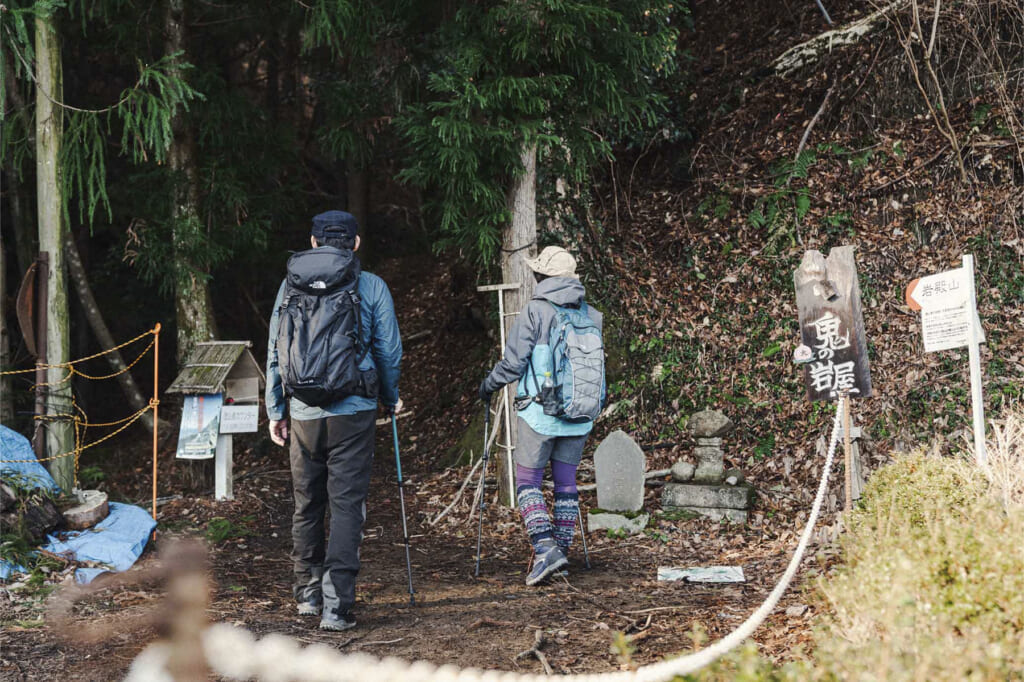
{"x": 547, "y": 560}
{"x": 309, "y": 608}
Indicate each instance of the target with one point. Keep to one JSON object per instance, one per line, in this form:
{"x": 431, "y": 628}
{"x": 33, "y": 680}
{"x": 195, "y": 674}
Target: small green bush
{"x": 934, "y": 565}
{"x": 931, "y": 587}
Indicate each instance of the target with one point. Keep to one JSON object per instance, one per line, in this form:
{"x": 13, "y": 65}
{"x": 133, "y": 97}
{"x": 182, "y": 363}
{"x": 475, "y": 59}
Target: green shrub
{"x": 933, "y": 584}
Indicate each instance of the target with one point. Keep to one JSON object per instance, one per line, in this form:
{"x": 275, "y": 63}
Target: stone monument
{"x": 619, "y": 467}
{"x": 708, "y": 488}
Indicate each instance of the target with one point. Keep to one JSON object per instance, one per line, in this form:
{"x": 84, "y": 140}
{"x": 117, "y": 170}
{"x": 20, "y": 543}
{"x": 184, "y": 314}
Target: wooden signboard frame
{"x": 832, "y": 326}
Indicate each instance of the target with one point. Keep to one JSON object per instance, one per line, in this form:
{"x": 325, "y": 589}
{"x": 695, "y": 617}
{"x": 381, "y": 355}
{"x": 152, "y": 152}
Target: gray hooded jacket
{"x": 528, "y": 340}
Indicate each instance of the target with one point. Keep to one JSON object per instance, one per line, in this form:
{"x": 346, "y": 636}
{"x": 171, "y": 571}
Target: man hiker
{"x": 334, "y": 349}
{"x": 554, "y": 351}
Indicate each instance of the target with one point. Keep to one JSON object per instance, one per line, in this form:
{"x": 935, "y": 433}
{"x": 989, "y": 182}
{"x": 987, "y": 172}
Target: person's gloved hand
{"x": 485, "y": 392}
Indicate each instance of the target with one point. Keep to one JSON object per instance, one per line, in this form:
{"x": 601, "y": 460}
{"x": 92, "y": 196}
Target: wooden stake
{"x": 509, "y": 445}
{"x": 156, "y": 403}
{"x": 848, "y": 449}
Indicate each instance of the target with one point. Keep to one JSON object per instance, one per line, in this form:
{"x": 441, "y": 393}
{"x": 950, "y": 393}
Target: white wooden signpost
{"x": 224, "y": 375}
{"x": 949, "y": 319}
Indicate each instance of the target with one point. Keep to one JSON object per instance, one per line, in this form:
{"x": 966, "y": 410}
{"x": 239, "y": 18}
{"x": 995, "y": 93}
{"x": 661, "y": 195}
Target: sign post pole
{"x": 974, "y": 353}
{"x": 949, "y": 319}
{"x": 847, "y": 448}
{"x": 508, "y": 475}
{"x": 223, "y": 469}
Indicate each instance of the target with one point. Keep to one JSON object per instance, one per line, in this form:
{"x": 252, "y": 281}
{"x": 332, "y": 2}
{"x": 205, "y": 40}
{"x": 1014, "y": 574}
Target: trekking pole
{"x": 401, "y": 498}
{"x": 483, "y": 489}
{"x": 583, "y": 535}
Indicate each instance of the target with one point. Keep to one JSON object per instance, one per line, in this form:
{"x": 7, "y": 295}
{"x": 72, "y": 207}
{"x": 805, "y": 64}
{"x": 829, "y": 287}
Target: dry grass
{"x": 932, "y": 581}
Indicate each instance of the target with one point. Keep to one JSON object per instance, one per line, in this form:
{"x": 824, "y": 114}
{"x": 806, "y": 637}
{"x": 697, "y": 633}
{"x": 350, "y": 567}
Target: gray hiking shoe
{"x": 339, "y": 623}
{"x": 308, "y": 608}
{"x": 547, "y": 560}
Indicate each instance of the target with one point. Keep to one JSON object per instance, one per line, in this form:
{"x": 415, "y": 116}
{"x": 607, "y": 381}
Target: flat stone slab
{"x": 716, "y": 514}
{"x": 607, "y": 521}
{"x": 685, "y": 495}
{"x": 708, "y": 454}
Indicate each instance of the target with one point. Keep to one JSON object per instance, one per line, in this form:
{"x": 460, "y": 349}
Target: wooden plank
{"x": 832, "y": 335}
{"x": 211, "y": 363}
{"x": 498, "y": 287}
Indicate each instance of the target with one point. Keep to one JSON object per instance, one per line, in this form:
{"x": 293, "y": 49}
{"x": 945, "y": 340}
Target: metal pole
{"x": 156, "y": 403}
{"x": 974, "y": 354}
{"x": 401, "y": 498}
{"x": 483, "y": 490}
{"x": 583, "y": 535}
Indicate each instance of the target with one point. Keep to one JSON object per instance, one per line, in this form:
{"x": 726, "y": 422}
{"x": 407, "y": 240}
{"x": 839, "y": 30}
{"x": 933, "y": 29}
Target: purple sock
{"x": 564, "y": 476}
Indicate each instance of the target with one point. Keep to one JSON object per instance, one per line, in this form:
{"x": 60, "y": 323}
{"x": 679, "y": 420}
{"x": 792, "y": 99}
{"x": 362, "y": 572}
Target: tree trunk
{"x": 6, "y": 398}
{"x": 26, "y": 238}
{"x": 357, "y": 201}
{"x": 50, "y": 208}
{"x": 193, "y": 303}
{"x": 25, "y": 245}
{"x": 99, "y": 328}
{"x": 519, "y": 242}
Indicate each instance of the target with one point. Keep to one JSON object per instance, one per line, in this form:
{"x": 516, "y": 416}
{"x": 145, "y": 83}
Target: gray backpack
{"x": 577, "y": 353}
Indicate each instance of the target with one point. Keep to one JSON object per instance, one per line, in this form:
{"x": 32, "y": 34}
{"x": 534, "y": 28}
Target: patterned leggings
{"x": 534, "y": 510}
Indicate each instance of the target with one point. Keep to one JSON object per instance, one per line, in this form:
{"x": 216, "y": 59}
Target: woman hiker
{"x": 543, "y": 437}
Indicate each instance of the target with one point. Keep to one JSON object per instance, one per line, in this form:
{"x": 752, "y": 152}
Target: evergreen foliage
{"x": 566, "y": 76}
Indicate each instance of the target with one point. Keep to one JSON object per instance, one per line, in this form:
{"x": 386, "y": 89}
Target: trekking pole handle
{"x": 394, "y": 433}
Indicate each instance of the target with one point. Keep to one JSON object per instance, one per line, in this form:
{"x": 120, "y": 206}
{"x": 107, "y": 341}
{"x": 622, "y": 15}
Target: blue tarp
{"x": 24, "y": 467}
{"x": 116, "y": 541}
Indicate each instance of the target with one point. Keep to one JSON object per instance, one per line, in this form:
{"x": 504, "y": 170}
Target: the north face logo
{"x": 318, "y": 284}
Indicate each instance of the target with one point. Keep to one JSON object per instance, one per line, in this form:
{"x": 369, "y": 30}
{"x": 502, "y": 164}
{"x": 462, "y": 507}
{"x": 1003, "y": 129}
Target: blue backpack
{"x": 573, "y": 393}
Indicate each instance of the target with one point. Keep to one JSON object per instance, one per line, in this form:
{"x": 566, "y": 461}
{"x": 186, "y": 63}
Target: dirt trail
{"x": 457, "y": 619}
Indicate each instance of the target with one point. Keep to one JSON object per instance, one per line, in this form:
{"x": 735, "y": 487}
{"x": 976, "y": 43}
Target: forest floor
{"x": 612, "y": 615}
{"x": 697, "y": 288}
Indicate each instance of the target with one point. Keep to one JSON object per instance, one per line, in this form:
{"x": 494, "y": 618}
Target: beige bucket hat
{"x": 553, "y": 261}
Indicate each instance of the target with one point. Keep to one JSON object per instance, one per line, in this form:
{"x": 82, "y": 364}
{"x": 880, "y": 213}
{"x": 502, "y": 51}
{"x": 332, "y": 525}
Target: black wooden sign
{"x": 833, "y": 345}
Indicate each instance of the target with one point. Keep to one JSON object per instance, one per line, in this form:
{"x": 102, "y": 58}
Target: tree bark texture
{"x": 50, "y": 207}
{"x": 25, "y": 239}
{"x": 102, "y": 332}
{"x": 357, "y": 201}
{"x": 6, "y": 398}
{"x": 519, "y": 242}
{"x": 193, "y": 304}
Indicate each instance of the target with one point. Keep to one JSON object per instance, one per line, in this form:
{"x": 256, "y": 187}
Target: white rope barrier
{"x": 235, "y": 654}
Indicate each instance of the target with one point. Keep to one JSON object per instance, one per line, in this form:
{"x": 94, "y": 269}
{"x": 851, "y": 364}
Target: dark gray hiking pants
{"x": 331, "y": 460}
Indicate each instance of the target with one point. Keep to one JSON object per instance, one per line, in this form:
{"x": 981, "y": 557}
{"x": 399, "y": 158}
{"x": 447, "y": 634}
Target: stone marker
{"x": 708, "y": 489}
{"x": 703, "y": 574}
{"x": 710, "y": 424}
{"x": 619, "y": 466}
